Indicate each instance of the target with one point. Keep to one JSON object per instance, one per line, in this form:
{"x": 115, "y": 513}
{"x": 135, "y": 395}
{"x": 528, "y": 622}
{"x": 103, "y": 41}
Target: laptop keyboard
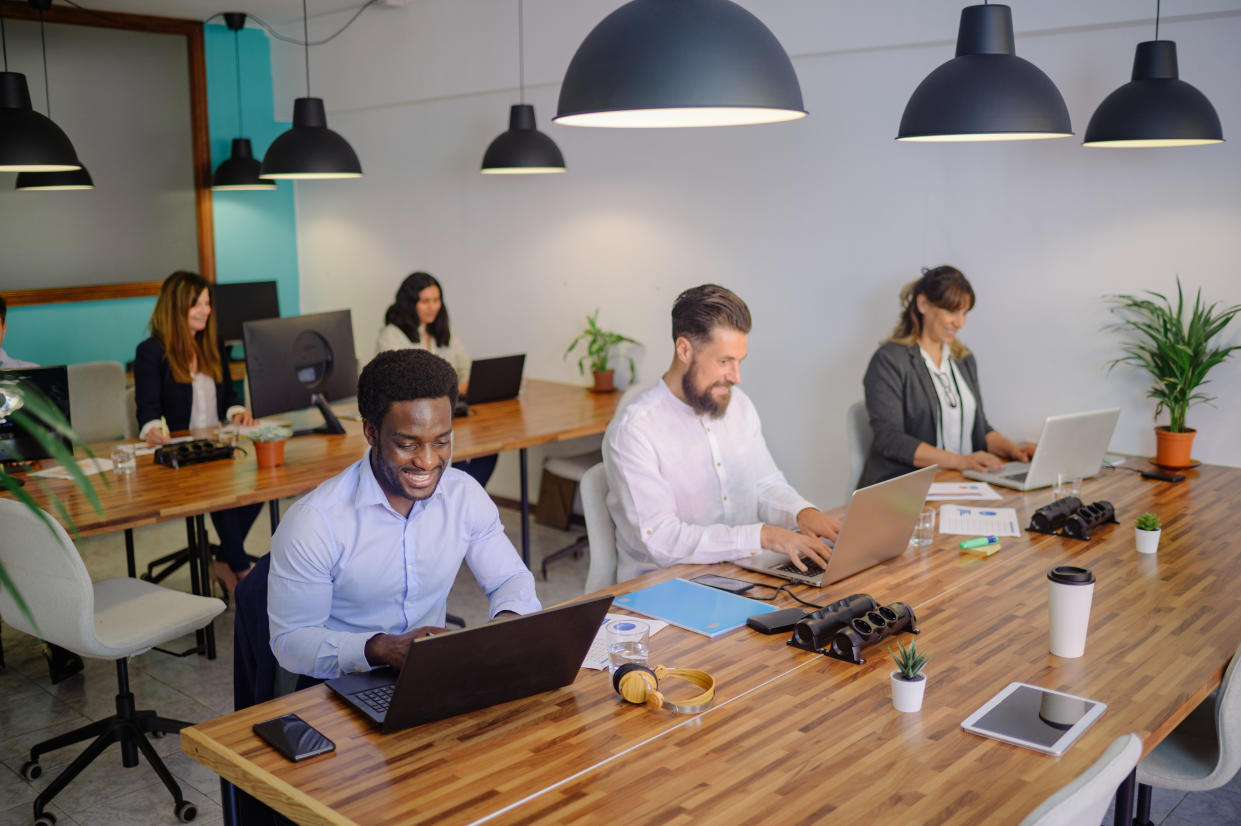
{"x": 376, "y": 699}
{"x": 1018, "y": 477}
{"x": 790, "y": 568}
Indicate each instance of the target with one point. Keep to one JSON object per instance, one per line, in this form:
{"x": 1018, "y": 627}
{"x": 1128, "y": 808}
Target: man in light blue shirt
{"x": 363, "y": 564}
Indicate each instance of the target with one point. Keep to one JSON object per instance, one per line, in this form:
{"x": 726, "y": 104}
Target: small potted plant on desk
{"x": 269, "y": 442}
{"x": 1176, "y": 350}
{"x": 908, "y": 681}
{"x": 599, "y": 346}
{"x": 1148, "y": 531}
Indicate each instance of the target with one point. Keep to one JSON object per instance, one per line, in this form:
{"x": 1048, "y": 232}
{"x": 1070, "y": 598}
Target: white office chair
{"x": 1084, "y": 801}
{"x": 600, "y": 531}
{"x": 129, "y": 404}
{"x": 559, "y": 499}
{"x": 859, "y": 436}
{"x": 1203, "y": 752}
{"x": 96, "y": 400}
{"x": 112, "y": 619}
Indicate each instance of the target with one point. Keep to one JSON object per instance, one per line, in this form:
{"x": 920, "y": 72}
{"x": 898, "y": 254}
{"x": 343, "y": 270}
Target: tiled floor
{"x": 193, "y": 689}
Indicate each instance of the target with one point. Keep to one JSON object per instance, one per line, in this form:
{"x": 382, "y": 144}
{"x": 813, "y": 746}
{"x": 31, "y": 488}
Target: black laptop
{"x": 477, "y": 667}
{"x": 497, "y": 379}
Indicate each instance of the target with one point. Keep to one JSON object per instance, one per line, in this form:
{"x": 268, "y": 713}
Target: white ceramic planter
{"x": 1148, "y": 541}
{"x": 907, "y": 694}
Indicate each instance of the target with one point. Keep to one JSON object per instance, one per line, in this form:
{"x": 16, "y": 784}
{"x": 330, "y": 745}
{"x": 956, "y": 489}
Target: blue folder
{"x": 692, "y": 606}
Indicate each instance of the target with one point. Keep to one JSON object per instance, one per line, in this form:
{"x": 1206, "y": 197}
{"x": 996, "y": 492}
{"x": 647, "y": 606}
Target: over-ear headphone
{"x": 639, "y": 684}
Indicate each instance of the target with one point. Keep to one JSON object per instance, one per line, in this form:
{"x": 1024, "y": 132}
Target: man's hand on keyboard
{"x": 390, "y": 649}
{"x": 795, "y": 546}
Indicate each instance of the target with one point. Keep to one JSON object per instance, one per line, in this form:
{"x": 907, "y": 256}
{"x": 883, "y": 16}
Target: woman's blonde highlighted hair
{"x": 170, "y": 326}
{"x": 943, "y": 286}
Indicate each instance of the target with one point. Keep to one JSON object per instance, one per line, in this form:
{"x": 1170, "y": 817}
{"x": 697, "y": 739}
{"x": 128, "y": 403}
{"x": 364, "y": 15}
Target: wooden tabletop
{"x": 544, "y": 412}
{"x": 798, "y": 733}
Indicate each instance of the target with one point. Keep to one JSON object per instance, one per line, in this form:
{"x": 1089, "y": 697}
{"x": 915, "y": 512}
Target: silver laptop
{"x": 1072, "y": 445}
{"x": 877, "y": 527}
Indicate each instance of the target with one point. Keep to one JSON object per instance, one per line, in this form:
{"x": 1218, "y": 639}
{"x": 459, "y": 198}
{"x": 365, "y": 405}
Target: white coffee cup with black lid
{"x": 1069, "y": 593}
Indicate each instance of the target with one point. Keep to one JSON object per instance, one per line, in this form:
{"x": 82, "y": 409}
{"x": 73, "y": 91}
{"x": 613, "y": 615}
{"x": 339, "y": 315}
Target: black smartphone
{"x": 732, "y": 586}
{"x": 293, "y": 737}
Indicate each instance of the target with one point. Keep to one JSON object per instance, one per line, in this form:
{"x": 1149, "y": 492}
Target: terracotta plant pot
{"x": 269, "y": 454}
{"x": 604, "y": 382}
{"x": 1173, "y": 449}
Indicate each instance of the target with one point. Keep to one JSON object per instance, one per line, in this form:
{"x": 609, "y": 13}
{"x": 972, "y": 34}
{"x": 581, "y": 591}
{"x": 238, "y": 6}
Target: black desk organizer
{"x": 181, "y": 454}
{"x": 844, "y": 628}
{"x": 1069, "y": 517}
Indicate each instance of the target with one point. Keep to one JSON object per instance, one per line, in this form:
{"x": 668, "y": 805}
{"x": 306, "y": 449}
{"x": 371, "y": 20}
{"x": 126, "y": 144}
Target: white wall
{"x": 815, "y": 223}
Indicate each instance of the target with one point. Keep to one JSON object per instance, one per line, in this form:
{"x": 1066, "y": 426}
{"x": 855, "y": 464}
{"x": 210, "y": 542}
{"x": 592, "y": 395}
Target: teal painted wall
{"x": 255, "y": 232}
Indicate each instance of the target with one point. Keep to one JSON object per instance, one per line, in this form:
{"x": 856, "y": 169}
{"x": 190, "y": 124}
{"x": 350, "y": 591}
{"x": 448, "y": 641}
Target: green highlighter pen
{"x": 978, "y": 542}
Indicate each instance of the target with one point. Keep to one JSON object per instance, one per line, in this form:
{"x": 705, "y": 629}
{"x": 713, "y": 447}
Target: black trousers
{"x": 232, "y": 525}
{"x": 480, "y": 468}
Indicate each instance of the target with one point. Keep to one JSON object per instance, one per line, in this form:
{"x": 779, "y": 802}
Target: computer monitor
{"x": 16, "y": 445}
{"x": 299, "y": 361}
{"x": 236, "y": 304}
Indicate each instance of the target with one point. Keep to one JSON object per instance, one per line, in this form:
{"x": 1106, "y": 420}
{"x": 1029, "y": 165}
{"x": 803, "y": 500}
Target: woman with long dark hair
{"x": 181, "y": 382}
{"x": 418, "y": 319}
{"x": 922, "y": 393}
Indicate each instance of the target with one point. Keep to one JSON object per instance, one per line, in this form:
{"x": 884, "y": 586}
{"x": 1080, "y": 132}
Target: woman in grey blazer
{"x": 922, "y": 394}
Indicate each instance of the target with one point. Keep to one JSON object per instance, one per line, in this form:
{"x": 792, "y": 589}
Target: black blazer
{"x": 904, "y": 409}
{"x": 158, "y": 394}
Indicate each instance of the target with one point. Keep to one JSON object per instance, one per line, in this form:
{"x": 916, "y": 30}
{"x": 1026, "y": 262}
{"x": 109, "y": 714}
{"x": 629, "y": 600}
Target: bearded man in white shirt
{"x": 689, "y": 475}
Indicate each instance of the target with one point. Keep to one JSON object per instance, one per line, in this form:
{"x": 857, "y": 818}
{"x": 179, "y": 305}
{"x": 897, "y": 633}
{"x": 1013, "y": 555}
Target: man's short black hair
{"x": 403, "y": 376}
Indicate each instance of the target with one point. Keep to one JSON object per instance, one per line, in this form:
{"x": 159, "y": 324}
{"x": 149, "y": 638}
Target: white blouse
{"x": 957, "y": 406}
{"x": 392, "y": 337}
{"x": 203, "y": 411}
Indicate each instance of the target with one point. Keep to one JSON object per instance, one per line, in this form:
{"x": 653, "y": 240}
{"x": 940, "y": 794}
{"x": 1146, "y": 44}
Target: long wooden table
{"x": 544, "y": 412}
{"x": 798, "y": 737}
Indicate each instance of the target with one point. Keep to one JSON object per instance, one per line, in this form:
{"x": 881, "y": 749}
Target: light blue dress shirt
{"x": 346, "y": 566}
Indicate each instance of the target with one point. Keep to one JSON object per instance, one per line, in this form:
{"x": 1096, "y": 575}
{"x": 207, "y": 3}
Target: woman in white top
{"x": 922, "y": 394}
{"x": 418, "y": 319}
{"x": 182, "y": 381}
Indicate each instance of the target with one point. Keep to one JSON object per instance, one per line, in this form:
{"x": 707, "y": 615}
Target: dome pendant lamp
{"x": 29, "y": 142}
{"x": 522, "y": 150}
{"x": 1156, "y": 107}
{"x": 986, "y": 92}
{"x": 310, "y": 151}
{"x": 664, "y": 63}
{"x": 50, "y": 181}
{"x": 241, "y": 170}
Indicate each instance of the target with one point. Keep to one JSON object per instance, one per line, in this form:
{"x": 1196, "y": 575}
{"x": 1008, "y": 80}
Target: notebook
{"x": 694, "y": 607}
{"x": 877, "y": 527}
{"x": 477, "y": 667}
{"x": 1071, "y": 445}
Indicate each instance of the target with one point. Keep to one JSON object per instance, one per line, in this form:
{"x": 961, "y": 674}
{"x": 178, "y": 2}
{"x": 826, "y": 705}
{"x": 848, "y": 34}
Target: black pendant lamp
{"x": 986, "y": 92}
{"x": 29, "y": 142}
{"x": 656, "y": 63}
{"x": 522, "y": 150}
{"x": 241, "y": 170}
{"x": 1156, "y": 107}
{"x": 50, "y": 181}
{"x": 310, "y": 151}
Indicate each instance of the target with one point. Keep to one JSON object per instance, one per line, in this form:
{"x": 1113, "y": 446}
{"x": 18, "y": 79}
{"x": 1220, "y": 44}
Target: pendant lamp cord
{"x": 521, "y": 54}
{"x": 241, "y": 124}
{"x": 1156, "y": 19}
{"x": 4, "y": 41}
{"x": 47, "y": 84}
{"x": 306, "y": 40}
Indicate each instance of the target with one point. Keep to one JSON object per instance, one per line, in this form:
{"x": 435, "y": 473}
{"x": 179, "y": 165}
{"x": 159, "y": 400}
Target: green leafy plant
{"x": 1175, "y": 349}
{"x": 35, "y": 414}
{"x": 1148, "y": 522}
{"x": 270, "y": 433}
{"x": 599, "y": 345}
{"x": 909, "y": 661}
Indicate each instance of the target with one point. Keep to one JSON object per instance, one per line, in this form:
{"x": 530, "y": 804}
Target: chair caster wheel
{"x": 45, "y": 819}
{"x": 186, "y": 811}
{"x": 32, "y": 771}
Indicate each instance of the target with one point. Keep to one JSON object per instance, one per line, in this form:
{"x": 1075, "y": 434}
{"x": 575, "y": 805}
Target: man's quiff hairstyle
{"x": 699, "y": 310}
{"x": 403, "y": 376}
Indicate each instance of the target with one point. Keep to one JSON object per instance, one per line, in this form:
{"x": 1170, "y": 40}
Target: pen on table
{"x": 978, "y": 542}
{"x": 163, "y": 426}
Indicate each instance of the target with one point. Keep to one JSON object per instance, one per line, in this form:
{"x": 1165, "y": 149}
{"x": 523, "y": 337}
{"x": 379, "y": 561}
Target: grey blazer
{"x": 904, "y": 410}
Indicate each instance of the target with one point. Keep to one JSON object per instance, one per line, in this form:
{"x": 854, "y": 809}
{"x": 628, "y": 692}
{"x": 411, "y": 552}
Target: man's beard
{"x": 704, "y": 403}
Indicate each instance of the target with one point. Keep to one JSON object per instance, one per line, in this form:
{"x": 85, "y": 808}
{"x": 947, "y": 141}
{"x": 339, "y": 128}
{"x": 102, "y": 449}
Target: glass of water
{"x": 627, "y": 642}
{"x": 124, "y": 460}
{"x": 924, "y": 531}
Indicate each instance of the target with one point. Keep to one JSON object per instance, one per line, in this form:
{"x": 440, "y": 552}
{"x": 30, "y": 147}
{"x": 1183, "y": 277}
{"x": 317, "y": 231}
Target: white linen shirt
{"x": 688, "y": 488}
{"x": 346, "y": 566}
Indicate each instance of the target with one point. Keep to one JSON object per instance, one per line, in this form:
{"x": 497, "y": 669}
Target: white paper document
{"x": 980, "y": 521}
{"x": 953, "y": 491}
{"x": 89, "y": 467}
{"x": 597, "y": 656}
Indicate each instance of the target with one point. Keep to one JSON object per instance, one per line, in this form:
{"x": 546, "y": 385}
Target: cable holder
{"x": 869, "y": 629}
{"x": 1069, "y": 517}
{"x": 814, "y": 631}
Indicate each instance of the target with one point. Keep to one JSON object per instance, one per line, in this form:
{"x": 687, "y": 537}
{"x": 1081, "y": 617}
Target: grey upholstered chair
{"x": 1203, "y": 752}
{"x": 97, "y": 400}
{"x": 600, "y": 531}
{"x": 1084, "y": 801}
{"x": 859, "y": 436}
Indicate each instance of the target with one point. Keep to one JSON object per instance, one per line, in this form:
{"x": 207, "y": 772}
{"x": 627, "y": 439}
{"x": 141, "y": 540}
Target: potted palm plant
{"x": 599, "y": 346}
{"x": 1177, "y": 351}
{"x": 908, "y": 680}
{"x": 1147, "y": 531}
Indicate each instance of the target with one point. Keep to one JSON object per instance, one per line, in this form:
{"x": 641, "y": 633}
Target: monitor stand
{"x": 332, "y": 425}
